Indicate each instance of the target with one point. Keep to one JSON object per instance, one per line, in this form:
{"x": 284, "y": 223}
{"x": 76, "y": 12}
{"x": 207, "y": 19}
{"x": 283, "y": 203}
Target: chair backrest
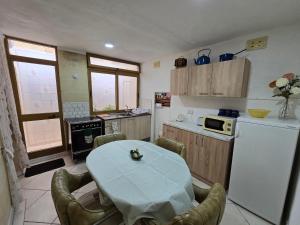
{"x": 104, "y": 139}
{"x": 208, "y": 212}
{"x": 171, "y": 145}
{"x": 62, "y": 185}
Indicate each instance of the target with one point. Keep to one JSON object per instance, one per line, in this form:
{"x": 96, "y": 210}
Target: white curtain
{"x": 13, "y": 148}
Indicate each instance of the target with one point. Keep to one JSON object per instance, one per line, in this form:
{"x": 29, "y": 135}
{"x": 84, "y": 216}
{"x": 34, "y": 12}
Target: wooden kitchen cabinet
{"x": 208, "y": 158}
{"x": 230, "y": 78}
{"x": 136, "y": 128}
{"x": 200, "y": 80}
{"x": 220, "y": 79}
{"x": 179, "y": 81}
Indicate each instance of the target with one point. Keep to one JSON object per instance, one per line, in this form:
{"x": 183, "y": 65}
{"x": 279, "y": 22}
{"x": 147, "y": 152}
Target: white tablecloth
{"x": 159, "y": 186}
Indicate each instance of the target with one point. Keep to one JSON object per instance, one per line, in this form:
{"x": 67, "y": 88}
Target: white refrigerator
{"x": 262, "y": 162}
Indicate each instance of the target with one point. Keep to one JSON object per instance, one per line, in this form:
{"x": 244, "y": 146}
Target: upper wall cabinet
{"x": 230, "y": 78}
{"x": 179, "y": 81}
{"x": 200, "y": 80}
{"x": 221, "y": 79}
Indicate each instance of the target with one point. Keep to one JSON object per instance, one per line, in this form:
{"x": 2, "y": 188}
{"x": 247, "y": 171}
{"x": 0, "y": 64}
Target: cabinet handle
{"x": 202, "y": 93}
{"x": 217, "y": 93}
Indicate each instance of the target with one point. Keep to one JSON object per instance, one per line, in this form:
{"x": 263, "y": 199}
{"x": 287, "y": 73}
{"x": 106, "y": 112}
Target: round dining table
{"x": 157, "y": 186}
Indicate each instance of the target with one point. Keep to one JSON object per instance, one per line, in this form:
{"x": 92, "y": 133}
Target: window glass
{"x": 37, "y": 87}
{"x": 42, "y": 134}
{"x": 26, "y": 49}
{"x": 113, "y": 64}
{"x": 127, "y": 92}
{"x": 103, "y": 91}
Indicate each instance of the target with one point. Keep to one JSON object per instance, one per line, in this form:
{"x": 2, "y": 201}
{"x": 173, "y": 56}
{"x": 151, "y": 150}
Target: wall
{"x": 282, "y": 55}
{"x": 74, "y": 83}
{"x": 5, "y": 202}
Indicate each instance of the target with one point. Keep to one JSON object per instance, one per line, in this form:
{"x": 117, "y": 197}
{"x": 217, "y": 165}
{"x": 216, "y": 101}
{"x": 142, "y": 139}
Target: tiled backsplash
{"x": 76, "y": 109}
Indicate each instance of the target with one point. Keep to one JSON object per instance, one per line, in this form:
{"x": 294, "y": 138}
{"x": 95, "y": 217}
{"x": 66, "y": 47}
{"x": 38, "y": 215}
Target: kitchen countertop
{"x": 188, "y": 126}
{"x": 113, "y": 116}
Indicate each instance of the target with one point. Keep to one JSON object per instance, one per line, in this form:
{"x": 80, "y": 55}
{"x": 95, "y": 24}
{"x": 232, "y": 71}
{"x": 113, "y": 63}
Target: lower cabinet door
{"x": 218, "y": 156}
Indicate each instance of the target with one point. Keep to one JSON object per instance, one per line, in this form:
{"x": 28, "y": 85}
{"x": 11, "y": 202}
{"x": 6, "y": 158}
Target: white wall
{"x": 282, "y": 55}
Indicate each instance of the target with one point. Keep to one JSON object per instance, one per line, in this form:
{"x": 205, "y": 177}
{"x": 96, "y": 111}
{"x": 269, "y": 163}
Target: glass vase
{"x": 284, "y": 111}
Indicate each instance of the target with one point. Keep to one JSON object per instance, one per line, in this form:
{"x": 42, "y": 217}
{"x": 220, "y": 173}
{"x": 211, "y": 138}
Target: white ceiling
{"x": 141, "y": 29}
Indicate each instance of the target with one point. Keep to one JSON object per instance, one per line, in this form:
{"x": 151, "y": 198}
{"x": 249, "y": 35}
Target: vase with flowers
{"x": 285, "y": 86}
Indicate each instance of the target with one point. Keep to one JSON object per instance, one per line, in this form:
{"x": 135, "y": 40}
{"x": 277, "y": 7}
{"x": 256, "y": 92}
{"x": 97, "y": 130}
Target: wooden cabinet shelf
{"x": 209, "y": 159}
{"x": 221, "y": 79}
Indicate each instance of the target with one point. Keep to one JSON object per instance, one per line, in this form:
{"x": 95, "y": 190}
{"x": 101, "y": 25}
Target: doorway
{"x": 35, "y": 80}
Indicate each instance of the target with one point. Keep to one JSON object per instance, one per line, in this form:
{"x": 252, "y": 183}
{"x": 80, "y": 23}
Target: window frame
{"x": 114, "y": 72}
{"x": 37, "y": 116}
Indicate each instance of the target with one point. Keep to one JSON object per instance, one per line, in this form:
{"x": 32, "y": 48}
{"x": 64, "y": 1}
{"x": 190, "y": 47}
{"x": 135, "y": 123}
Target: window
{"x": 113, "y": 84}
{"x": 104, "y": 88}
{"x": 34, "y": 75}
{"x": 26, "y": 49}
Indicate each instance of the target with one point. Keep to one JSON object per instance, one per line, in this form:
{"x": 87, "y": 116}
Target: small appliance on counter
{"x": 81, "y": 134}
{"x": 229, "y": 113}
{"x": 219, "y": 124}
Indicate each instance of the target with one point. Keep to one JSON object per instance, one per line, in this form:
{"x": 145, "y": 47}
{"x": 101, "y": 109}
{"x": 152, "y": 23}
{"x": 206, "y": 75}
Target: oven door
{"x": 83, "y": 140}
{"x": 214, "y": 124}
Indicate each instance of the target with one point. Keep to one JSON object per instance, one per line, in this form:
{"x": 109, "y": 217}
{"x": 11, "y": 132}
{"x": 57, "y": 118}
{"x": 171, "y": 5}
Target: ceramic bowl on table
{"x": 259, "y": 113}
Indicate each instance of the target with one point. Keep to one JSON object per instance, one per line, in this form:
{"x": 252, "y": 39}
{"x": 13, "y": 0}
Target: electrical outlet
{"x": 257, "y": 43}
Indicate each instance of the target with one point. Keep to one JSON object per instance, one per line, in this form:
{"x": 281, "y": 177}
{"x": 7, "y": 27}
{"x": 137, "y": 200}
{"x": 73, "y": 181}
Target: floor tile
{"x": 42, "y": 210}
{"x": 232, "y": 216}
{"x": 252, "y": 218}
{"x": 31, "y": 196}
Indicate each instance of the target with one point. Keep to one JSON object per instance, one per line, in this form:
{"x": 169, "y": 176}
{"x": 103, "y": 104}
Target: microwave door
{"x": 214, "y": 124}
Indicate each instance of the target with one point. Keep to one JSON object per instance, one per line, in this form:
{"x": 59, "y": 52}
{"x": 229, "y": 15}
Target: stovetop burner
{"x": 83, "y": 119}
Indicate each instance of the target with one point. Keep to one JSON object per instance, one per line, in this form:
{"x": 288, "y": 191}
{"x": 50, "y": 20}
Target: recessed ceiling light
{"x": 109, "y": 45}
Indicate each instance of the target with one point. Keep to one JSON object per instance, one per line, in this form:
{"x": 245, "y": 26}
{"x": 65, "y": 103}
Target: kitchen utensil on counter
{"x": 180, "y": 62}
{"x": 259, "y": 113}
{"x": 204, "y": 59}
{"x": 229, "y": 113}
{"x": 229, "y": 56}
{"x": 180, "y": 118}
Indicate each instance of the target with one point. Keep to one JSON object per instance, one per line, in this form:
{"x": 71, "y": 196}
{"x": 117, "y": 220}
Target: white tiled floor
{"x": 40, "y": 209}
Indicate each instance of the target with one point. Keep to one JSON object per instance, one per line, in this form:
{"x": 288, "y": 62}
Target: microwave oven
{"x": 219, "y": 124}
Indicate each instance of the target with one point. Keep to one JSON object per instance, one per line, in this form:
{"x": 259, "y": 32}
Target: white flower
{"x": 295, "y": 90}
{"x": 281, "y": 82}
